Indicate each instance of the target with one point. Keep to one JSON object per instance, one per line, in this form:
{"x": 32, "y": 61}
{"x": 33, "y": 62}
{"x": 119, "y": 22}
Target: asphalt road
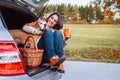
{"x": 78, "y": 70}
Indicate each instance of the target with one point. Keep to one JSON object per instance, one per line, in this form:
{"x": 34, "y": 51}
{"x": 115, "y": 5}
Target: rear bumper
{"x": 18, "y": 77}
{"x": 45, "y": 75}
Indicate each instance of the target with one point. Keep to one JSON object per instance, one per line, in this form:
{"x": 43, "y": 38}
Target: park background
{"x": 95, "y": 29}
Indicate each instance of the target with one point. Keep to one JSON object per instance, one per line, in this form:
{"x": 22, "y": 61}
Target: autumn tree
{"x": 74, "y": 13}
{"x": 109, "y": 8}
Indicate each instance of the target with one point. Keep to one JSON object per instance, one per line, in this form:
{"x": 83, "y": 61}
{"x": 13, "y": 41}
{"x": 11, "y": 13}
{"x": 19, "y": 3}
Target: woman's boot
{"x": 53, "y": 62}
{"x": 56, "y": 61}
{"x": 60, "y": 68}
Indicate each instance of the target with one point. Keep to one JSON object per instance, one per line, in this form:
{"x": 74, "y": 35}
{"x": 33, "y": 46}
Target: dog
{"x": 20, "y": 35}
{"x": 35, "y": 27}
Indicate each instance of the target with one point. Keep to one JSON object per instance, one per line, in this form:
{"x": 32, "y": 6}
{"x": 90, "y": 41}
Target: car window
{"x": 2, "y": 22}
{"x": 1, "y": 25}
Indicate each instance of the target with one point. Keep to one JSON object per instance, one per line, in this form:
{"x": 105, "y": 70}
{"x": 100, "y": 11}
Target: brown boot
{"x": 60, "y": 68}
{"x": 61, "y": 60}
{"x": 55, "y": 61}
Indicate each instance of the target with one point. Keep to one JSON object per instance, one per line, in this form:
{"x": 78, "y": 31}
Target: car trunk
{"x": 15, "y": 16}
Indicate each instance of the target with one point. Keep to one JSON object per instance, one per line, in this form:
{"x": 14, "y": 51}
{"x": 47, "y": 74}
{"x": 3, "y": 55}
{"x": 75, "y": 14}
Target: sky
{"x": 73, "y": 2}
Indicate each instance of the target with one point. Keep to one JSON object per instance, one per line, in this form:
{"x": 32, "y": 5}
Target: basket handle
{"x": 35, "y": 46}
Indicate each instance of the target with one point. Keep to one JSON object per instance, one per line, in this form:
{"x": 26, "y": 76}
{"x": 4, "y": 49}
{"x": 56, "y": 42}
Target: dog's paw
{"x": 36, "y": 32}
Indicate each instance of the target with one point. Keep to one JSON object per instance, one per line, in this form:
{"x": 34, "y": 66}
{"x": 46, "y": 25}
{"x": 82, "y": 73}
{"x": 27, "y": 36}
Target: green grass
{"x": 94, "y": 43}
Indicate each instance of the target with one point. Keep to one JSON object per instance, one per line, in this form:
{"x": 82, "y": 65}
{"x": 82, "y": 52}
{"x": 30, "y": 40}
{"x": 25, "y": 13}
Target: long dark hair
{"x": 59, "y": 24}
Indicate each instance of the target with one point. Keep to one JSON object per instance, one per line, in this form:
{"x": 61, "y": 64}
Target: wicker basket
{"x": 32, "y": 56}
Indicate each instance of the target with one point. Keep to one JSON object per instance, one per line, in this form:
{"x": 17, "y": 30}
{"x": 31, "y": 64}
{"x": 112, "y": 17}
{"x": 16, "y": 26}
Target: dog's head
{"x": 43, "y": 24}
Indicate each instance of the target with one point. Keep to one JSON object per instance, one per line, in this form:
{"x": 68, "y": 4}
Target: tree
{"x": 82, "y": 12}
{"x": 90, "y": 13}
{"x": 75, "y": 13}
{"x": 68, "y": 12}
{"x": 62, "y": 10}
{"x": 110, "y": 8}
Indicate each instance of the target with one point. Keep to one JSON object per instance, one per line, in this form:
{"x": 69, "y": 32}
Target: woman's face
{"x": 52, "y": 21}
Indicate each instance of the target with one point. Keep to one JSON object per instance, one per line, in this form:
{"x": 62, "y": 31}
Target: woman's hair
{"x": 59, "y": 24}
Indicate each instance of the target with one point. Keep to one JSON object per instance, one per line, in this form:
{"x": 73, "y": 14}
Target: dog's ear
{"x": 42, "y": 19}
{"x": 39, "y": 20}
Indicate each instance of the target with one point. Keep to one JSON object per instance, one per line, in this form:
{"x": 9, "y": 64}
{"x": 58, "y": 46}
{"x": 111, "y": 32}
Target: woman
{"x": 52, "y": 42}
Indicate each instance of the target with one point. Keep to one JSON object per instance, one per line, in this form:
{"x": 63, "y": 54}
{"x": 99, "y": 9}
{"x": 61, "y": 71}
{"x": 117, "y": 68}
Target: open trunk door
{"x": 34, "y": 3}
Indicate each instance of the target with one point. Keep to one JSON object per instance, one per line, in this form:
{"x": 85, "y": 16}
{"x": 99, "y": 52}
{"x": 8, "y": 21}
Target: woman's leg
{"x": 58, "y": 43}
{"x": 47, "y": 43}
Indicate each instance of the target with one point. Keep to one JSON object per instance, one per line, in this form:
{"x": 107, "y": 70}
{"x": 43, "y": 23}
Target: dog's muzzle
{"x": 43, "y": 27}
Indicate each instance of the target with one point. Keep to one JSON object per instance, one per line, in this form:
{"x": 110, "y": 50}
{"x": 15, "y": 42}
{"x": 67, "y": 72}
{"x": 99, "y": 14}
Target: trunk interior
{"x": 15, "y": 16}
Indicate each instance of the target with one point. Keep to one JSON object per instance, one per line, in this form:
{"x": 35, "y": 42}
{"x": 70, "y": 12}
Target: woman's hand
{"x": 68, "y": 37}
{"x": 66, "y": 40}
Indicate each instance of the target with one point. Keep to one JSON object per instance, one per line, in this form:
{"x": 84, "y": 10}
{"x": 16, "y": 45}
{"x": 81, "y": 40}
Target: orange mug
{"x": 67, "y": 33}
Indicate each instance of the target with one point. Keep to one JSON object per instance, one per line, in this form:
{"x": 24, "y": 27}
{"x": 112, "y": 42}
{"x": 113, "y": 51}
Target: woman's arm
{"x": 66, "y": 42}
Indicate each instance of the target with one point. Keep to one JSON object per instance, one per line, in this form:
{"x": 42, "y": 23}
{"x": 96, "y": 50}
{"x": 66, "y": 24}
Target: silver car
{"x": 13, "y": 14}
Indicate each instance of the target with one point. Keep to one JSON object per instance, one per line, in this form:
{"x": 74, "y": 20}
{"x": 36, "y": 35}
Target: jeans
{"x": 52, "y": 43}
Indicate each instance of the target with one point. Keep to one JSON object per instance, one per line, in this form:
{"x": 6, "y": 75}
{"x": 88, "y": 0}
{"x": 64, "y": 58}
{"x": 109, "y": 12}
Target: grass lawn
{"x": 94, "y": 42}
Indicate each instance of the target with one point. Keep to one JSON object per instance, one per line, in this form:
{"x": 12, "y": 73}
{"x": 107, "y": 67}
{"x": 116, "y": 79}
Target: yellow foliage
{"x": 109, "y": 14}
{"x": 107, "y": 21}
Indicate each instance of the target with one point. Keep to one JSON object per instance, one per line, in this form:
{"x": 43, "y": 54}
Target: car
{"x": 13, "y": 15}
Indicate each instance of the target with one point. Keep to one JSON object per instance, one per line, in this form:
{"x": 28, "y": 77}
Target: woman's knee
{"x": 57, "y": 33}
{"x": 48, "y": 31}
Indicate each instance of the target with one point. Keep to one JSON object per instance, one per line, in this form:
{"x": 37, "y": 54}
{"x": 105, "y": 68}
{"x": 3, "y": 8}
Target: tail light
{"x": 10, "y": 60}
